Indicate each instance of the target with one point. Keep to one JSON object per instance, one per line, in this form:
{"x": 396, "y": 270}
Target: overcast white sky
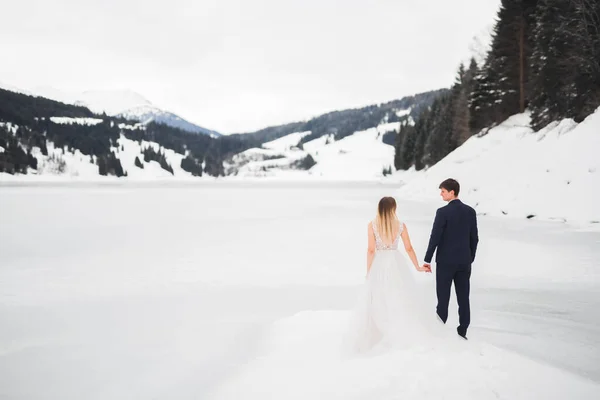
{"x": 240, "y": 65}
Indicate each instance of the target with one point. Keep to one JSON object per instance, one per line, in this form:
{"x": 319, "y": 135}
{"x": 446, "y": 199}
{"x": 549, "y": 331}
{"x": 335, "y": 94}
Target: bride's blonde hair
{"x": 386, "y": 216}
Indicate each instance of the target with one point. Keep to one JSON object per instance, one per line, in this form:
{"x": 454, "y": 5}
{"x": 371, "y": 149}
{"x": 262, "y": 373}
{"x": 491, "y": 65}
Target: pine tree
{"x": 148, "y": 154}
{"x": 434, "y": 144}
{"x": 213, "y": 165}
{"x": 461, "y": 115}
{"x": 31, "y": 160}
{"x": 190, "y": 165}
{"x": 566, "y": 61}
{"x": 398, "y": 147}
{"x": 409, "y": 135}
{"x": 116, "y": 166}
{"x": 102, "y": 168}
{"x": 440, "y": 141}
{"x": 43, "y": 146}
{"x": 305, "y": 163}
{"x": 138, "y": 163}
{"x": 422, "y": 130}
{"x": 581, "y": 27}
{"x": 547, "y": 103}
{"x": 162, "y": 160}
{"x": 502, "y": 86}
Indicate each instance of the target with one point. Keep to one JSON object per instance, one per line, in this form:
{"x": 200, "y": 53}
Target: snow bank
{"x": 553, "y": 174}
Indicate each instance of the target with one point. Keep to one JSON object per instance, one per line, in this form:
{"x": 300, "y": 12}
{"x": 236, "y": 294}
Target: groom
{"x": 455, "y": 236}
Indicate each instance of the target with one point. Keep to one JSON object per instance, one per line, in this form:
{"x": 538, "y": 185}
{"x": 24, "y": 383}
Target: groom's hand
{"x": 427, "y": 267}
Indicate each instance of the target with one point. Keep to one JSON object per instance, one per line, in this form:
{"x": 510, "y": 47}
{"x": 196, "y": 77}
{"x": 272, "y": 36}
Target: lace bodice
{"x": 380, "y": 245}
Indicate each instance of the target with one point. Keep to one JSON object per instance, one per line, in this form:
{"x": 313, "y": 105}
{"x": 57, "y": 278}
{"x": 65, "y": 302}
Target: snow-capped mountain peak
{"x": 124, "y": 103}
{"x": 148, "y": 113}
{"x": 112, "y": 102}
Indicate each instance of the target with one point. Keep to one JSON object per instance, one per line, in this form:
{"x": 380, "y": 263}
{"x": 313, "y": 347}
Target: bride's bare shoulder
{"x": 400, "y": 225}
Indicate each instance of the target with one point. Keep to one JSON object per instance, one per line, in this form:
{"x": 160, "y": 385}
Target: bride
{"x": 391, "y": 310}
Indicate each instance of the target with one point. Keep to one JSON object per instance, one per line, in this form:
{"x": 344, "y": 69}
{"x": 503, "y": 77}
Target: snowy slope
{"x": 263, "y": 162}
{"x": 360, "y": 156}
{"x": 286, "y": 142}
{"x": 513, "y": 171}
{"x": 61, "y": 164}
{"x": 128, "y": 150}
{"x": 273, "y": 158}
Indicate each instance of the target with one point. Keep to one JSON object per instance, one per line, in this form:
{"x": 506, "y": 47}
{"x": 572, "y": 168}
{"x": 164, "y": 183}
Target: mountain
{"x": 148, "y": 113}
{"x": 124, "y": 103}
{"x": 111, "y": 102}
{"x": 354, "y": 144}
{"x": 39, "y": 136}
{"x": 345, "y": 122}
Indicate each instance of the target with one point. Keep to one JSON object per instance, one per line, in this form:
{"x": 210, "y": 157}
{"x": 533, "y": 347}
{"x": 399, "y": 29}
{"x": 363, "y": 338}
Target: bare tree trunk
{"x": 522, "y": 64}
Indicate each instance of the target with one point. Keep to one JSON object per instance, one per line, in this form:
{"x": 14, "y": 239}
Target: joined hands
{"x": 425, "y": 268}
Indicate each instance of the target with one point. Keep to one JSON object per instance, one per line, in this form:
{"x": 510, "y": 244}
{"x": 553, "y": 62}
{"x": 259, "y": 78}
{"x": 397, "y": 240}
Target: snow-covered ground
{"x": 78, "y": 121}
{"x": 63, "y": 165}
{"x": 512, "y": 171}
{"x": 287, "y": 142}
{"x": 216, "y": 290}
{"x": 360, "y": 156}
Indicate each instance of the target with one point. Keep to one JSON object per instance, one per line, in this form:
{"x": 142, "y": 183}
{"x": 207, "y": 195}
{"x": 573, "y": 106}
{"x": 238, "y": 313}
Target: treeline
{"x": 345, "y": 122}
{"x": 22, "y": 109}
{"x": 544, "y": 57}
{"x": 440, "y": 129}
{"x": 15, "y": 158}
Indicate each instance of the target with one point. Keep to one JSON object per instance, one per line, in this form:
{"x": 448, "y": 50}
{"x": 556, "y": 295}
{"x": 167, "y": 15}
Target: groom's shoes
{"x": 461, "y": 334}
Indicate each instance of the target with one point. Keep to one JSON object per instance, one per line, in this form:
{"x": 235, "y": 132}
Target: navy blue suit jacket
{"x": 454, "y": 234}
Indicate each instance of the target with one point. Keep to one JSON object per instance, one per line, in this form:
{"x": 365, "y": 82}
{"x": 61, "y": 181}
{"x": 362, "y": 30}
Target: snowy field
{"x": 233, "y": 290}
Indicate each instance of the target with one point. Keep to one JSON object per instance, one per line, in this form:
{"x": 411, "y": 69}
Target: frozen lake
{"x": 170, "y": 290}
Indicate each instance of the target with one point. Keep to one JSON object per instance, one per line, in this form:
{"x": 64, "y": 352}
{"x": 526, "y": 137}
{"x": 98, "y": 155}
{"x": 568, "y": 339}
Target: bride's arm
{"x": 409, "y": 249}
{"x": 370, "y": 247}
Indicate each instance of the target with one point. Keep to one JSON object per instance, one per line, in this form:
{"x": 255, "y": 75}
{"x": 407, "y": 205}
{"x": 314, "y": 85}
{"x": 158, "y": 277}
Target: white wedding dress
{"x": 393, "y": 309}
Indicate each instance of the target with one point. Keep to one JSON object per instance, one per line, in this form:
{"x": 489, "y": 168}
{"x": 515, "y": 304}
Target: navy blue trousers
{"x": 460, "y": 274}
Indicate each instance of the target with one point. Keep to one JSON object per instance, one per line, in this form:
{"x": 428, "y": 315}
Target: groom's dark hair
{"x": 450, "y": 185}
